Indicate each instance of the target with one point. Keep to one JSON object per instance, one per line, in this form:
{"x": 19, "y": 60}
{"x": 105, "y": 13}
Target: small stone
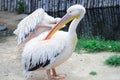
{"x": 81, "y": 60}
{"x": 5, "y": 74}
{"x": 3, "y": 27}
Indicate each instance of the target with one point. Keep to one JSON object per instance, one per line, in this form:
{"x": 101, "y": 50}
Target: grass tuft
{"x": 97, "y": 44}
{"x": 113, "y": 60}
{"x": 93, "y": 73}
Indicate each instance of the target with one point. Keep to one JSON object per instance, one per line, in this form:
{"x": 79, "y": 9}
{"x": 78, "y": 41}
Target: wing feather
{"x": 28, "y": 24}
{"x": 39, "y": 54}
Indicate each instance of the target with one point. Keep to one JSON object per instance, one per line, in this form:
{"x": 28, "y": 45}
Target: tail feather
{"x": 27, "y": 74}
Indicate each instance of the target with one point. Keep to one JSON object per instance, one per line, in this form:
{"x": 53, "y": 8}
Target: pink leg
{"x": 49, "y": 75}
{"x": 55, "y": 76}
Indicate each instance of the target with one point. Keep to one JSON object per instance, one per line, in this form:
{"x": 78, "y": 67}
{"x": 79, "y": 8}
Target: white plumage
{"x": 48, "y": 54}
{"x": 29, "y": 24}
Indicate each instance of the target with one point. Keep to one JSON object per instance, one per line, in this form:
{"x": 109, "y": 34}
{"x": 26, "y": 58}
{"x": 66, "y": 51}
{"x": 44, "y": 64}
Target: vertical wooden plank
{"x": 38, "y": 3}
{"x": 29, "y": 6}
{"x": 62, "y": 5}
{"x": 34, "y": 5}
{"x": 65, "y": 4}
{"x": 43, "y": 5}
{"x": 8, "y": 5}
{"x": 48, "y": 5}
{"x": 98, "y": 3}
{"x": 112, "y": 2}
{"x": 68, "y": 3}
{"x": 12, "y": 5}
{"x": 55, "y": 5}
{"x": 3, "y": 4}
{"x": 108, "y": 3}
{"x": 119, "y": 2}
{"x": 59, "y": 5}
{"x": 26, "y": 4}
{"x": 0, "y": 4}
{"x": 77, "y": 1}
{"x": 88, "y": 3}
{"x": 91, "y": 4}
{"x": 104, "y": 2}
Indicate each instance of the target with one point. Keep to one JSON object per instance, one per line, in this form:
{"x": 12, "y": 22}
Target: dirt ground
{"x": 77, "y": 67}
{"x": 10, "y": 19}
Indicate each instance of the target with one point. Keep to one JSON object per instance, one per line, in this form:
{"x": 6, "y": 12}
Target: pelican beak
{"x": 65, "y": 19}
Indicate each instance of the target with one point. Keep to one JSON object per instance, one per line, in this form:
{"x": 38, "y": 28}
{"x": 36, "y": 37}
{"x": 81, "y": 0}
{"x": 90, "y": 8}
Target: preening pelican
{"x": 55, "y": 47}
{"x": 32, "y": 25}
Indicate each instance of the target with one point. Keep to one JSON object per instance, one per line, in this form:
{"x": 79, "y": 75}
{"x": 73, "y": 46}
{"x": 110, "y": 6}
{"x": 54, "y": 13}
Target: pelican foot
{"x": 59, "y": 76}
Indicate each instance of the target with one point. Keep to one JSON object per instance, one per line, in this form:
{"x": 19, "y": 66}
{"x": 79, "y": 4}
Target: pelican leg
{"x": 57, "y": 76}
{"x": 49, "y": 75}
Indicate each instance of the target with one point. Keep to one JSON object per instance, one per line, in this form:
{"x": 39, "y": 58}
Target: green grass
{"x": 113, "y": 60}
{"x": 96, "y": 45}
{"x": 93, "y": 73}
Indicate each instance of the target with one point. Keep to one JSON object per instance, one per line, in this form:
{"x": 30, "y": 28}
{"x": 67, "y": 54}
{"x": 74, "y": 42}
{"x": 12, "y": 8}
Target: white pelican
{"x": 32, "y": 25}
{"x": 55, "y": 47}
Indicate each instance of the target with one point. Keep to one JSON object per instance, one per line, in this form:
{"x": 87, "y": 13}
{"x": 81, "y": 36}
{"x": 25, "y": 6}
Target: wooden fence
{"x": 101, "y": 22}
{"x": 55, "y": 5}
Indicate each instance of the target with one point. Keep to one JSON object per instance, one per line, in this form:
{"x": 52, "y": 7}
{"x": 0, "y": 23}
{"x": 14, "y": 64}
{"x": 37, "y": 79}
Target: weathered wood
{"x": 55, "y": 5}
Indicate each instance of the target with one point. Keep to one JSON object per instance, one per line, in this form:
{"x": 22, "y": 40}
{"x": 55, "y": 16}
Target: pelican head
{"x": 73, "y": 12}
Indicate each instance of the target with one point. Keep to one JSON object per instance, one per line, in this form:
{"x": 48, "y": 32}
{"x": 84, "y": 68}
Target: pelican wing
{"x": 29, "y": 24}
{"x": 39, "y": 54}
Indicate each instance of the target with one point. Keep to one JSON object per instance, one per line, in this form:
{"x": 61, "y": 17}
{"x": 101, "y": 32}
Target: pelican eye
{"x": 70, "y": 11}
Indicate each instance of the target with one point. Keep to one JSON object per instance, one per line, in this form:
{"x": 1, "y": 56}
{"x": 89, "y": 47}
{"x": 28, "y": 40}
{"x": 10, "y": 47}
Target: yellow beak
{"x": 66, "y": 19}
